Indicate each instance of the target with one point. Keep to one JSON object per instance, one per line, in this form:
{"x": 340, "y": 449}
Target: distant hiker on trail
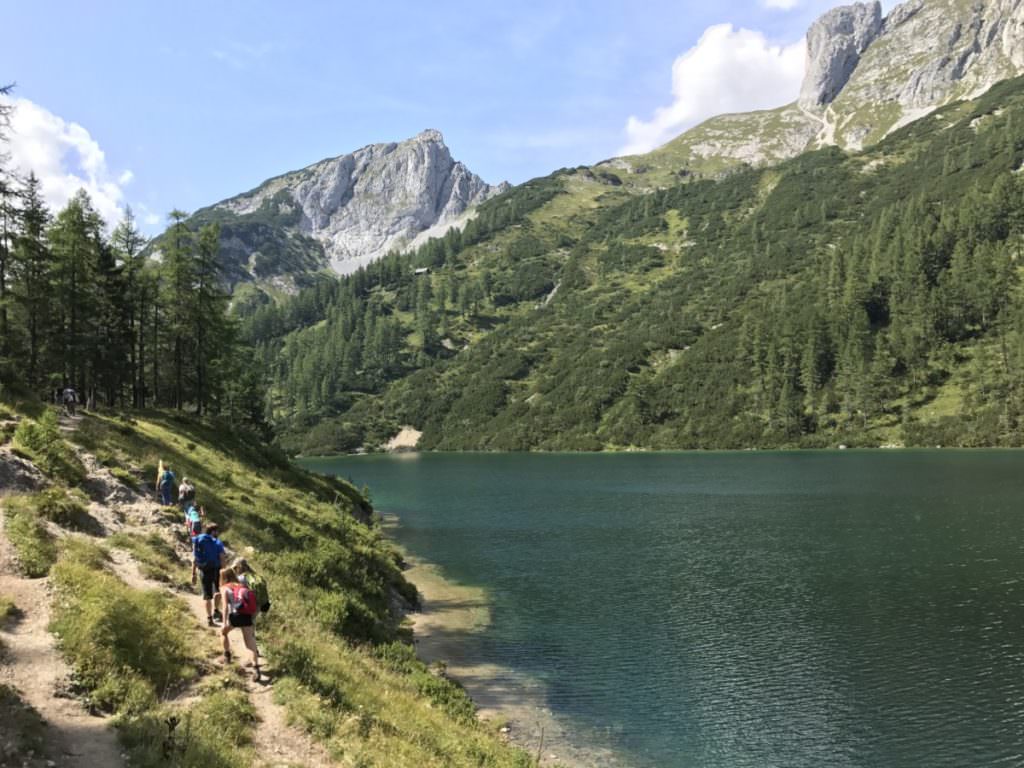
{"x": 194, "y": 517}
{"x": 253, "y": 581}
{"x": 186, "y": 493}
{"x": 207, "y": 558}
{"x": 241, "y": 607}
{"x": 166, "y": 486}
{"x": 70, "y": 397}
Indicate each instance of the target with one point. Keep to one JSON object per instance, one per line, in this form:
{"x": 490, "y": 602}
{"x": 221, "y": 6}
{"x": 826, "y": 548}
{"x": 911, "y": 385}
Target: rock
{"x": 835, "y": 43}
{"x": 18, "y": 475}
{"x": 361, "y": 205}
{"x": 930, "y": 53}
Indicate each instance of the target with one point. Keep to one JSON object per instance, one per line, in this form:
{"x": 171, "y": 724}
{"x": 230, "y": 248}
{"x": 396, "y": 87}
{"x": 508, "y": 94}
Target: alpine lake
{"x": 856, "y": 608}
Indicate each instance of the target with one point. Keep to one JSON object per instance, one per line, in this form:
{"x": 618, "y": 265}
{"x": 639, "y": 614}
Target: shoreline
{"x": 451, "y": 614}
{"x": 891, "y": 448}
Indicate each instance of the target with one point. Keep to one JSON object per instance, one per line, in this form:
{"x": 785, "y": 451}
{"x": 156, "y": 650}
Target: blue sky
{"x": 183, "y": 104}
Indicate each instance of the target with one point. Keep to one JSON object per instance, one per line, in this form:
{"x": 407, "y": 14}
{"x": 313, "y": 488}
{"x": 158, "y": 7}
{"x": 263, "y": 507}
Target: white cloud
{"x": 66, "y": 158}
{"x": 728, "y": 70}
{"x": 782, "y": 5}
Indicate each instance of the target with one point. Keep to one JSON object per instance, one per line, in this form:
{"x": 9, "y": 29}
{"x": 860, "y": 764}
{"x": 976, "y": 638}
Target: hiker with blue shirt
{"x": 166, "y": 487}
{"x": 208, "y": 558}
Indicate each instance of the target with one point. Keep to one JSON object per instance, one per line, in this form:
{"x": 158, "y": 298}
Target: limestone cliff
{"x": 867, "y": 76}
{"x": 345, "y": 212}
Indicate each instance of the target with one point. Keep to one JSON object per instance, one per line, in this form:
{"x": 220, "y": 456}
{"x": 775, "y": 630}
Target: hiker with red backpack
{"x": 207, "y": 558}
{"x": 241, "y": 607}
{"x": 249, "y": 578}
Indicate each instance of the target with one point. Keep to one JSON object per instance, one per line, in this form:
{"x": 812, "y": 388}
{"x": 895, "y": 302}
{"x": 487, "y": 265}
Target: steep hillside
{"x": 865, "y": 298}
{"x": 85, "y": 554}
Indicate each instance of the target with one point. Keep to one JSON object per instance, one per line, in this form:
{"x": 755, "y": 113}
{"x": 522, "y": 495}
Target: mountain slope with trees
{"x": 867, "y": 298}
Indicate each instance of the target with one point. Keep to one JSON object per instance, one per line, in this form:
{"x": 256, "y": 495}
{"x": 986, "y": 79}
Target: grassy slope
{"x": 331, "y": 637}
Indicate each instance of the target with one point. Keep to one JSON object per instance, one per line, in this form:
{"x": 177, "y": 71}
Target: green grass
{"x": 41, "y": 442}
{"x": 215, "y": 732}
{"x": 126, "y": 477}
{"x": 63, "y": 508}
{"x": 371, "y": 709}
{"x": 128, "y": 647}
{"x": 34, "y": 545}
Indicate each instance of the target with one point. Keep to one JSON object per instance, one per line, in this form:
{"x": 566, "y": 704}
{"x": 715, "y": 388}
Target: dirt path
{"x": 34, "y": 666}
{"x": 276, "y": 743}
{"x": 36, "y": 669}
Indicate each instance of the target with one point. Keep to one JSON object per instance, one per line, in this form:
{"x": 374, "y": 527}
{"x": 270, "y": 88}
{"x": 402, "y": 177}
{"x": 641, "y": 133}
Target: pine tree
{"x": 75, "y": 241}
{"x": 179, "y": 267}
{"x": 127, "y": 243}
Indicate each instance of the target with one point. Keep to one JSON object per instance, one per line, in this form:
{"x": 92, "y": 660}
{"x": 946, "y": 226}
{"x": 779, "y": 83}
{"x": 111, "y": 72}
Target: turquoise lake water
{"x": 742, "y": 609}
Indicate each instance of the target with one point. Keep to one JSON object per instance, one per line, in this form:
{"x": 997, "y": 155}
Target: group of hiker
{"x": 231, "y": 585}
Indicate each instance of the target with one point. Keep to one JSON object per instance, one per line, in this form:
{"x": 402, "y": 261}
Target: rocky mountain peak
{"x": 835, "y": 43}
{"x": 431, "y": 135}
{"x": 361, "y": 205}
{"x": 867, "y": 76}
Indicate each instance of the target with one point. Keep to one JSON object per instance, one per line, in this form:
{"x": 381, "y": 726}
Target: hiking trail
{"x": 33, "y": 665}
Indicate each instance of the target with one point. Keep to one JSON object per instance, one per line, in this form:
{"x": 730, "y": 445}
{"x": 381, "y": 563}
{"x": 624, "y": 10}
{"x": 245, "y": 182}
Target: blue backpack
{"x": 206, "y": 550}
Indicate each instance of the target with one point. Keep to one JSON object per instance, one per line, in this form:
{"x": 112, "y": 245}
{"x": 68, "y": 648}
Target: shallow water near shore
{"x": 724, "y": 609}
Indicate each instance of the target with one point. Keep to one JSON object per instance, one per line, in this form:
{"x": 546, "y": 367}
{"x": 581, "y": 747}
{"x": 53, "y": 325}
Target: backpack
{"x": 258, "y": 585}
{"x": 194, "y": 524}
{"x": 167, "y": 479}
{"x": 206, "y": 550}
{"x": 243, "y": 600}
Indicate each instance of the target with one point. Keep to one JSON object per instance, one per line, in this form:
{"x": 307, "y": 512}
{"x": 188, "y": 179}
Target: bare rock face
{"x": 361, "y": 205}
{"x": 18, "y": 475}
{"x": 930, "y": 53}
{"x": 835, "y": 43}
{"x": 867, "y": 76}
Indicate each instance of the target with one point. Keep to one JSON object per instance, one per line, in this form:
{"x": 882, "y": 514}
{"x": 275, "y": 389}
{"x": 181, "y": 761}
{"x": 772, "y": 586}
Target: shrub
{"x": 126, "y": 646}
{"x": 215, "y": 732}
{"x": 64, "y": 509}
{"x": 126, "y": 477}
{"x": 33, "y": 544}
{"x": 8, "y": 610}
{"x": 42, "y": 443}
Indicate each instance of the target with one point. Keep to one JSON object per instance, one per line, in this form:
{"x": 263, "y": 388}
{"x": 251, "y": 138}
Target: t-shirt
{"x": 206, "y": 550}
{"x": 192, "y": 515}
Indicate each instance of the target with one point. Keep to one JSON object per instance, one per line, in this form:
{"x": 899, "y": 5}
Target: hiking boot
{"x": 210, "y": 622}
{"x": 257, "y": 677}
{"x": 227, "y": 657}
{"x": 217, "y": 616}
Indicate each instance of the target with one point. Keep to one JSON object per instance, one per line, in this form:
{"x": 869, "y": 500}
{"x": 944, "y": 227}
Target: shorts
{"x": 210, "y": 579}
{"x": 239, "y": 619}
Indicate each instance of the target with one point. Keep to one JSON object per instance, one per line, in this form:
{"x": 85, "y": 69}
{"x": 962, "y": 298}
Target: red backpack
{"x": 243, "y": 600}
